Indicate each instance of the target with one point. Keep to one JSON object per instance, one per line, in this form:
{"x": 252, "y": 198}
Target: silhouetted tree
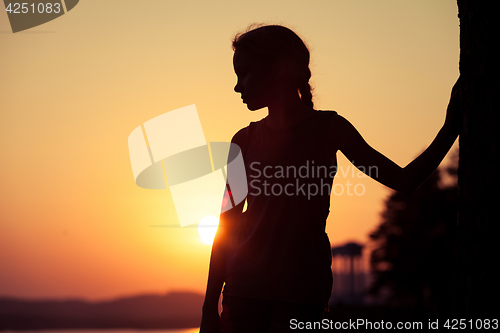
{"x": 412, "y": 261}
{"x": 476, "y": 252}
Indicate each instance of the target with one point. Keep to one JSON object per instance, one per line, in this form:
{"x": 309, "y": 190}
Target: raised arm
{"x": 407, "y": 179}
{"x": 217, "y": 269}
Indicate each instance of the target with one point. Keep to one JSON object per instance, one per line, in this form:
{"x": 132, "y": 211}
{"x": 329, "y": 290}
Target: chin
{"x": 254, "y": 107}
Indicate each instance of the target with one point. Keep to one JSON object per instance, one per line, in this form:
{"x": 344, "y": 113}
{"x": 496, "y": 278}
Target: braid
{"x": 304, "y": 87}
{"x": 305, "y": 94}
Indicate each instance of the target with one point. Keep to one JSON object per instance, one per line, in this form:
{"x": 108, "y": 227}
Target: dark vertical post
{"x": 477, "y": 245}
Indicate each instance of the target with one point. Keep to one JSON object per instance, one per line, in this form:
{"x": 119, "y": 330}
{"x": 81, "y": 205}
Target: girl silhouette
{"x": 274, "y": 259}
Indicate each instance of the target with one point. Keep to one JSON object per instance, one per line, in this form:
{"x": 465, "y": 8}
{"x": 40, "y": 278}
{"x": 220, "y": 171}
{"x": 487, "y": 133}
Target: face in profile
{"x": 255, "y": 80}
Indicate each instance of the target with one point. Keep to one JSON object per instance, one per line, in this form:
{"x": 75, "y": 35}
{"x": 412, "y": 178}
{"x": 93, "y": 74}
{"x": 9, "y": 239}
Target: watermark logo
{"x": 204, "y": 179}
{"x": 28, "y": 14}
{"x": 307, "y": 180}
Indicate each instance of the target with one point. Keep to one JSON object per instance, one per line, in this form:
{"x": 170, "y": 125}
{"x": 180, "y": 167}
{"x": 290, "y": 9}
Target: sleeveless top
{"x": 280, "y": 250}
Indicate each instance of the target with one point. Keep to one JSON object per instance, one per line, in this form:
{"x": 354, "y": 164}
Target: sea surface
{"x": 185, "y": 330}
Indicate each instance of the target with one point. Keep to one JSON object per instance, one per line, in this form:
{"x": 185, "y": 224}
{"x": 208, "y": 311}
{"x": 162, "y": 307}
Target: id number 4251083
{"x": 462, "y": 324}
{"x": 27, "y": 7}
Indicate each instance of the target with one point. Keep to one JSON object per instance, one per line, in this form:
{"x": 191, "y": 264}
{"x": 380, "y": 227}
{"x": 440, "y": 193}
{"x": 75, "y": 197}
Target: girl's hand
{"x": 454, "y": 112}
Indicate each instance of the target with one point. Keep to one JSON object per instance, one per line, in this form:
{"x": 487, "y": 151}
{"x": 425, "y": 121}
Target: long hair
{"x": 272, "y": 43}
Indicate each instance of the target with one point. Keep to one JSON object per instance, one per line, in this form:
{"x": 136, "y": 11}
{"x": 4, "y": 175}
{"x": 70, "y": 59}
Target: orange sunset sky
{"x": 73, "y": 223}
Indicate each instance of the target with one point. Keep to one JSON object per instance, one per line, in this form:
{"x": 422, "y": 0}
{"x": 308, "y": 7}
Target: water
{"x": 185, "y": 330}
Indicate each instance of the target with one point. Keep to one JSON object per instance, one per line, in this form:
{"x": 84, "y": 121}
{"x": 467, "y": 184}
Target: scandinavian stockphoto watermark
{"x": 306, "y": 180}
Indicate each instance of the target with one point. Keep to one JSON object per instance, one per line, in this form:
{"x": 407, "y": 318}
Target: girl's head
{"x": 268, "y": 57}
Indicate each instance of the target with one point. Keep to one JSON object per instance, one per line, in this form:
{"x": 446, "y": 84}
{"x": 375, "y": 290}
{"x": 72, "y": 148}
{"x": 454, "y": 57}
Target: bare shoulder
{"x": 339, "y": 124}
{"x": 240, "y": 138}
{"x": 340, "y": 131}
{"x": 346, "y": 138}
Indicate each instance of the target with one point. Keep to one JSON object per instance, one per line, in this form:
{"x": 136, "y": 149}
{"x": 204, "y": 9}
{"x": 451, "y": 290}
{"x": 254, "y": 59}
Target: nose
{"x": 237, "y": 87}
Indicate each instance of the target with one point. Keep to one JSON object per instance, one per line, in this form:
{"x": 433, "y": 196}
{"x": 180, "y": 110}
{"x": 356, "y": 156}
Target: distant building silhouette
{"x": 349, "y": 275}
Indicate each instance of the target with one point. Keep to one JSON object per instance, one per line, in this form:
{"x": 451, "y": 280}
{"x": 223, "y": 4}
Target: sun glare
{"x": 207, "y": 228}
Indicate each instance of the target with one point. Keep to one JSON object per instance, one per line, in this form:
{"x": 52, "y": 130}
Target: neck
{"x": 286, "y": 111}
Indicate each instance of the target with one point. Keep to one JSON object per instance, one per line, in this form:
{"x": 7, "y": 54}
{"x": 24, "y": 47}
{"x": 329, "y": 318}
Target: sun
{"x": 207, "y": 228}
